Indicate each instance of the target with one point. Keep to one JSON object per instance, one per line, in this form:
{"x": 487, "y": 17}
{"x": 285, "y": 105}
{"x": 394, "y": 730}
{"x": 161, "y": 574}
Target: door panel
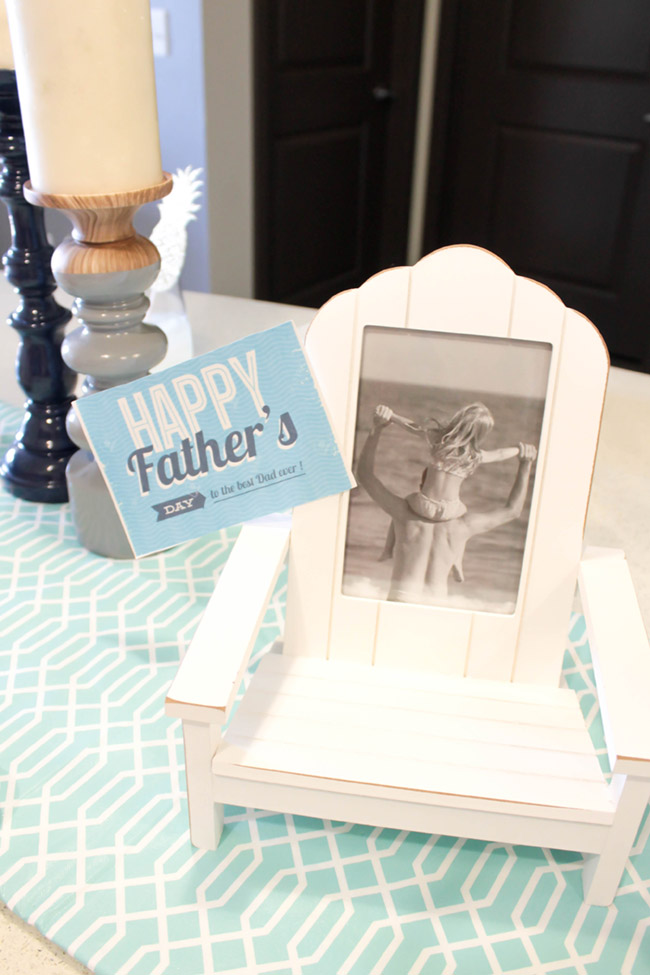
{"x": 610, "y": 35}
{"x": 325, "y": 166}
{"x": 335, "y": 33}
{"x": 336, "y": 86}
{"x": 546, "y": 152}
{"x": 536, "y": 172}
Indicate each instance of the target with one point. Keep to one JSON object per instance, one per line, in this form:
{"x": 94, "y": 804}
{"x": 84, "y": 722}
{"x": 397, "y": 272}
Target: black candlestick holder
{"x": 34, "y": 466}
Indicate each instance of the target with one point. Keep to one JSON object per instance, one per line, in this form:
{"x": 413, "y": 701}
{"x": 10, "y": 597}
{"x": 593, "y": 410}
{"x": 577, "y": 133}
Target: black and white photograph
{"x": 446, "y": 449}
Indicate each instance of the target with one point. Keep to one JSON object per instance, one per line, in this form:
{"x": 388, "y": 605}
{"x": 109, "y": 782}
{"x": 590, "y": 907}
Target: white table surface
{"x": 619, "y": 511}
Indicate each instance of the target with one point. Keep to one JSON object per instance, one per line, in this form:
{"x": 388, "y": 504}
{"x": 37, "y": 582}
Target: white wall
{"x": 205, "y": 108}
{"x": 180, "y": 84}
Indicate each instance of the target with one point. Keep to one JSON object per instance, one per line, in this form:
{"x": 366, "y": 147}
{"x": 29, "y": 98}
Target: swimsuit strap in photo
{"x": 462, "y": 466}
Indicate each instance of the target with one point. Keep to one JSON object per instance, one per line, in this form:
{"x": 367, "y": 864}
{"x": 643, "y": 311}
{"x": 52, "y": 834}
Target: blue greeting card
{"x": 228, "y": 436}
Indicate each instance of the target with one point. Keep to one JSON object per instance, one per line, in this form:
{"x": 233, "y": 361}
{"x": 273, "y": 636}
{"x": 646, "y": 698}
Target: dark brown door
{"x": 544, "y": 122}
{"x": 335, "y": 103}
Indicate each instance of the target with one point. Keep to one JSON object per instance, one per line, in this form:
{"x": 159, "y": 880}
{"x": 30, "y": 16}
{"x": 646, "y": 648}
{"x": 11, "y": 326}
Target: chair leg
{"x": 602, "y": 872}
{"x": 206, "y": 817}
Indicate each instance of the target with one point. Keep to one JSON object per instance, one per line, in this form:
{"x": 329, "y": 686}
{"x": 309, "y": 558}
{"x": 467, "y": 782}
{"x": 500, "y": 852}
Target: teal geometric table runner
{"x": 94, "y": 845}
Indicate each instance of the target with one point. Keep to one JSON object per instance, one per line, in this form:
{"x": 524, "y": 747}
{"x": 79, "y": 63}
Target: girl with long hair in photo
{"x": 455, "y": 453}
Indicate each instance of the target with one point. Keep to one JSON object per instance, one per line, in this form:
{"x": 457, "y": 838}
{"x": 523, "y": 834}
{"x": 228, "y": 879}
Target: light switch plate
{"x": 160, "y": 31}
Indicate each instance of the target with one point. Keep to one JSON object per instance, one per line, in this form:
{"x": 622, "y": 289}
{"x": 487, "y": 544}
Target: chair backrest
{"x": 472, "y": 302}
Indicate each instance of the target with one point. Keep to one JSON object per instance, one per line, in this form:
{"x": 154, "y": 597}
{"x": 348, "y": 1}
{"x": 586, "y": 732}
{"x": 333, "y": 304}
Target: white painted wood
{"x": 383, "y": 300}
{"x": 461, "y": 289}
{"x": 350, "y": 765}
{"x": 621, "y": 656}
{"x": 329, "y": 346}
{"x": 602, "y": 874}
{"x": 211, "y": 671}
{"x": 568, "y": 466}
{"x": 361, "y": 790}
{"x": 537, "y": 315}
{"x": 453, "y": 290}
{"x": 391, "y": 809}
{"x": 632, "y": 766}
{"x": 403, "y": 759}
{"x": 456, "y": 739}
{"x": 384, "y": 750}
{"x": 200, "y": 742}
{"x": 309, "y": 589}
{"x": 423, "y": 638}
{"x": 273, "y": 697}
{"x": 354, "y": 680}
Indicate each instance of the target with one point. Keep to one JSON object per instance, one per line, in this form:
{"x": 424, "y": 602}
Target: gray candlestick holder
{"x": 106, "y": 266}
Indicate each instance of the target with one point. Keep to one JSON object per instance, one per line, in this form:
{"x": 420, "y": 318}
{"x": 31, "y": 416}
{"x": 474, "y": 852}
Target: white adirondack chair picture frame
{"x": 422, "y": 716}
{"x": 527, "y": 645}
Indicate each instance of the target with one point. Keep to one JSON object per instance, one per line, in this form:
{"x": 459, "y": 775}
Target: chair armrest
{"x": 621, "y": 658}
{"x": 210, "y": 673}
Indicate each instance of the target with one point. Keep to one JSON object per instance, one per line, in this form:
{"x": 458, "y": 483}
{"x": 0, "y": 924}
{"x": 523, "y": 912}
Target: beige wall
{"x": 227, "y": 39}
{"x": 430, "y": 38}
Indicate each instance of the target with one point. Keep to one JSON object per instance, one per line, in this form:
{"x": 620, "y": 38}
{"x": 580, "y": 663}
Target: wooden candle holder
{"x": 107, "y": 267}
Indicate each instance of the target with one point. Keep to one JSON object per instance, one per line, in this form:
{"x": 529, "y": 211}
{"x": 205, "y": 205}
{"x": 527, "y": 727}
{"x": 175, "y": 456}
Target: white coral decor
{"x": 170, "y": 233}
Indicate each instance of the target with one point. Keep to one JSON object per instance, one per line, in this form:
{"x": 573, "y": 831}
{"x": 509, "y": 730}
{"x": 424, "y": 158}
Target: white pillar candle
{"x": 87, "y": 94}
{"x": 6, "y": 57}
